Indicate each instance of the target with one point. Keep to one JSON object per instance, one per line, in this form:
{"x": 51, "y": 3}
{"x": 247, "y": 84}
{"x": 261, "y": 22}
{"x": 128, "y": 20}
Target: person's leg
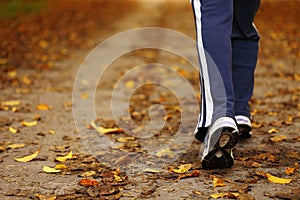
{"x": 244, "y": 57}
{"x": 214, "y": 24}
{"x": 216, "y": 125}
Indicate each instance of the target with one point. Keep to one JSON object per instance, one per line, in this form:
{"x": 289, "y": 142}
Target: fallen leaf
{"x": 43, "y": 197}
{"x": 130, "y": 84}
{"x": 278, "y": 138}
{"x": 12, "y": 130}
{"x": 10, "y": 103}
{"x": 218, "y": 182}
{"x": 278, "y": 180}
{"x": 43, "y": 44}
{"x": 43, "y": 107}
{"x": 61, "y": 166}
{"x": 50, "y": 170}
{"x": 273, "y": 130}
{"x": 165, "y": 153}
{"x": 29, "y": 124}
{"x": 16, "y": 146}
{"x": 195, "y": 173}
{"x": 182, "y": 169}
{"x": 88, "y": 173}
{"x": 256, "y": 125}
{"x": 51, "y": 131}
{"x": 119, "y": 178}
{"x": 84, "y": 96}
{"x": 125, "y": 139}
{"x": 292, "y": 170}
{"x": 150, "y": 170}
{"x": 88, "y": 182}
{"x": 225, "y": 194}
{"x": 102, "y": 130}
{"x": 27, "y": 158}
{"x": 64, "y": 158}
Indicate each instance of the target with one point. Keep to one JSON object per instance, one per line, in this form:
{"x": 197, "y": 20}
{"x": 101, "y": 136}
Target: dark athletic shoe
{"x": 244, "y": 126}
{"x": 222, "y": 136}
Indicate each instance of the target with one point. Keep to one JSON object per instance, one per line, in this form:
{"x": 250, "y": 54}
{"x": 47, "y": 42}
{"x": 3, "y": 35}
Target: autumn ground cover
{"x": 43, "y": 156}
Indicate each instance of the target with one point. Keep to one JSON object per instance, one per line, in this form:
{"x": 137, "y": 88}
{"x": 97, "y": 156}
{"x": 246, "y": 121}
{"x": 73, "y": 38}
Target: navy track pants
{"x": 227, "y": 43}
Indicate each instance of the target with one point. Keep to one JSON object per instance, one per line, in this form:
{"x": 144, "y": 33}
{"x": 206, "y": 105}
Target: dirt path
{"x": 276, "y": 105}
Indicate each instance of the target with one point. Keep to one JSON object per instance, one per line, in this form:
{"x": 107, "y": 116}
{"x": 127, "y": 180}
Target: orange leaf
{"x": 218, "y": 182}
{"x": 88, "y": 182}
{"x": 43, "y": 107}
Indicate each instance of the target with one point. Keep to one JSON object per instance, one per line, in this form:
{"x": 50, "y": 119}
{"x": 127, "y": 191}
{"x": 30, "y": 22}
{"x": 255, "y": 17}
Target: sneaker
{"x": 244, "y": 126}
{"x": 222, "y": 136}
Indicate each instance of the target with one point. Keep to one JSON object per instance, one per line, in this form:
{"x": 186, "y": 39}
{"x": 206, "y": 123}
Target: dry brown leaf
{"x": 278, "y": 180}
{"x": 292, "y": 170}
{"x": 182, "y": 169}
{"x": 218, "y": 182}
{"x": 150, "y": 170}
{"x": 88, "y": 173}
{"x": 27, "y": 158}
{"x": 195, "y": 173}
{"x": 29, "y": 124}
{"x": 278, "y": 138}
{"x": 88, "y": 182}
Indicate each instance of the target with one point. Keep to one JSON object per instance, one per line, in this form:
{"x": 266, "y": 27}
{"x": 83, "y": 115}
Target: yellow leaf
{"x": 64, "y": 158}
{"x": 278, "y": 138}
{"x": 61, "y": 166}
{"x": 218, "y": 182}
{"x": 51, "y": 131}
{"x": 130, "y": 84}
{"x": 125, "y": 139}
{"x": 119, "y": 178}
{"x": 27, "y": 158}
{"x": 182, "y": 169}
{"x": 12, "y": 130}
{"x": 225, "y": 194}
{"x": 29, "y": 124}
{"x": 256, "y": 125}
{"x": 165, "y": 152}
{"x": 278, "y": 180}
{"x": 273, "y": 130}
{"x": 10, "y": 103}
{"x": 50, "y": 170}
{"x": 16, "y": 146}
{"x": 43, "y": 107}
{"x": 102, "y": 130}
{"x": 84, "y": 96}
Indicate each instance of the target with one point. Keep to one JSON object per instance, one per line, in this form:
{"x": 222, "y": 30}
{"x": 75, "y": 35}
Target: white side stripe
{"x": 208, "y": 97}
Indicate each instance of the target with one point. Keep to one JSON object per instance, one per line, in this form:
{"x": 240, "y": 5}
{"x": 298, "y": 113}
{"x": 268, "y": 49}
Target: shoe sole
{"x": 220, "y": 157}
{"x": 244, "y": 131}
